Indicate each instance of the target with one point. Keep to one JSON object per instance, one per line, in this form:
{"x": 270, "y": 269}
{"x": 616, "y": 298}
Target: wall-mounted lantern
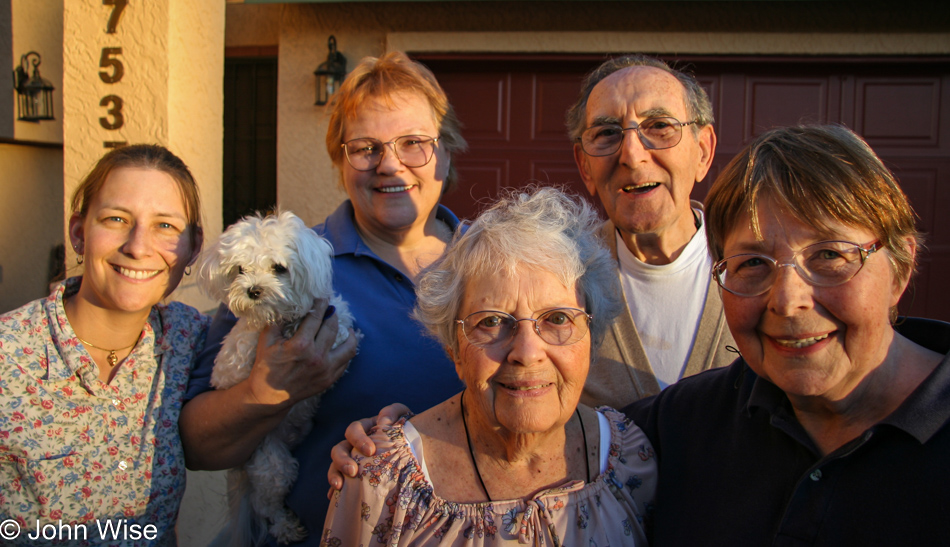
{"x": 330, "y": 74}
{"x": 34, "y": 95}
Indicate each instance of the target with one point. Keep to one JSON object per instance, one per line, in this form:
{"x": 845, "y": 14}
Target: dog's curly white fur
{"x": 268, "y": 270}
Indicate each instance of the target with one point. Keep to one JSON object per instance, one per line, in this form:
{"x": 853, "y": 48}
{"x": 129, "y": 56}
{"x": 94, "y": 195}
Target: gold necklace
{"x": 112, "y": 358}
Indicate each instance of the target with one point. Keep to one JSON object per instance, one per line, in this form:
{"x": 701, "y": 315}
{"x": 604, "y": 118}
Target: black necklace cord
{"x": 471, "y": 451}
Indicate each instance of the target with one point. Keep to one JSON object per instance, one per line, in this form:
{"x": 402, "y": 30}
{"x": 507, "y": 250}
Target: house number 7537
{"x": 111, "y": 71}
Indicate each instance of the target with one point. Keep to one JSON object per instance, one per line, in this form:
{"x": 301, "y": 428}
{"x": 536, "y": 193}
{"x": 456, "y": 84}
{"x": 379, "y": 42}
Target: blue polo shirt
{"x": 396, "y": 360}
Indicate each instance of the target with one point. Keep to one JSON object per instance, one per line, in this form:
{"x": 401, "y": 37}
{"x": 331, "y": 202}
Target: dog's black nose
{"x": 254, "y": 293}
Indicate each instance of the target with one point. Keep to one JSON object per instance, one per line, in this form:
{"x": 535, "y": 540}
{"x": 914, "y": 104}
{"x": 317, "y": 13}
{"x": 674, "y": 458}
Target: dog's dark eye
{"x": 280, "y": 268}
{"x": 240, "y": 270}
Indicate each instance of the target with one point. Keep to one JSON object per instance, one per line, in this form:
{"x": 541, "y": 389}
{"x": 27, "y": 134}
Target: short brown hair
{"x": 384, "y": 77}
{"x": 697, "y": 102}
{"x": 143, "y": 156}
{"x": 817, "y": 173}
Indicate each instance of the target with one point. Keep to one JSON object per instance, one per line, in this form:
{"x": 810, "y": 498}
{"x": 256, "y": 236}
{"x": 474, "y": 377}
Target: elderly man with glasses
{"x": 643, "y": 136}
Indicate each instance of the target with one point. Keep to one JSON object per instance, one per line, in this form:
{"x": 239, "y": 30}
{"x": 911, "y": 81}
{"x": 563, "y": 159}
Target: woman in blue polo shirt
{"x": 392, "y": 134}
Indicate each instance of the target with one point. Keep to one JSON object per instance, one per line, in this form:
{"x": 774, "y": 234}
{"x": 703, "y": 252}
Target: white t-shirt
{"x": 666, "y": 303}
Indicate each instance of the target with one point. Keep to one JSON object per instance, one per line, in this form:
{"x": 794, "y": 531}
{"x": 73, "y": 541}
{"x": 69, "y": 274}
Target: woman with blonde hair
{"x": 392, "y": 135}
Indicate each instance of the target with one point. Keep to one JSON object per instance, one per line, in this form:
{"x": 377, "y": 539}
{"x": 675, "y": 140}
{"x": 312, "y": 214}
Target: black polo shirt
{"x": 736, "y": 467}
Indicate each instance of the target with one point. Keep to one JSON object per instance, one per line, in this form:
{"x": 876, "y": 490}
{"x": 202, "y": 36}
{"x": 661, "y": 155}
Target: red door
{"x": 512, "y": 110}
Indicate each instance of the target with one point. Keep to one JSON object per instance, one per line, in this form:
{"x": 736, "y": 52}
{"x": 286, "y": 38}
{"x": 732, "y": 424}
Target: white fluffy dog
{"x": 268, "y": 270}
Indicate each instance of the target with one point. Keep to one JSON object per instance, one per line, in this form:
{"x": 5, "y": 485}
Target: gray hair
{"x": 538, "y": 227}
{"x": 697, "y": 102}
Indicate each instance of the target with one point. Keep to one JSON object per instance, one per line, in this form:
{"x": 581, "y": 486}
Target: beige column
{"x": 146, "y": 72}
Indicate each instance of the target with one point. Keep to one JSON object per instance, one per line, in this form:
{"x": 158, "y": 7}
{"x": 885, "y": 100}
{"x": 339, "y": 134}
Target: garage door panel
{"x": 479, "y": 180}
{"x": 555, "y": 172}
{"x": 941, "y": 205}
{"x": 927, "y": 295}
{"x": 920, "y": 187}
{"x": 898, "y": 113}
{"x": 776, "y": 102}
{"x": 487, "y": 118}
{"x": 559, "y": 173}
{"x": 551, "y": 93}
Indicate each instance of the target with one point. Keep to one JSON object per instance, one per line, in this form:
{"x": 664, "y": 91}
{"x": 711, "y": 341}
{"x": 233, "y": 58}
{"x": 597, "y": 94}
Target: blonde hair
{"x": 384, "y": 77}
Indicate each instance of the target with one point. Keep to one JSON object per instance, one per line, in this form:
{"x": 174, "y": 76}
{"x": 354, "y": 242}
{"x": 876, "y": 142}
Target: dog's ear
{"x": 315, "y": 276}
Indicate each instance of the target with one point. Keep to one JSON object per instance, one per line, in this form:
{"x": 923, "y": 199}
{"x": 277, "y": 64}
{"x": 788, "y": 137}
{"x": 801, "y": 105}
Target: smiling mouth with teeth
{"x": 523, "y": 388}
{"x": 803, "y": 343}
{"x": 136, "y": 274}
{"x": 395, "y": 189}
{"x": 639, "y": 189}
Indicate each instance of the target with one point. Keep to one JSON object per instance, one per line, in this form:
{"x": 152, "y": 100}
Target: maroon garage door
{"x": 513, "y": 115}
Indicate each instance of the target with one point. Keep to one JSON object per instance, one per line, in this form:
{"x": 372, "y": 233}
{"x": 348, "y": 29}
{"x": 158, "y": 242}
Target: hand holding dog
{"x": 289, "y": 370}
{"x": 221, "y": 428}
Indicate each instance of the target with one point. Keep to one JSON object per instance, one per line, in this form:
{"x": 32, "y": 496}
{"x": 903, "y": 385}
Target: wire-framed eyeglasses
{"x": 558, "y": 326}
{"x": 655, "y": 134}
{"x": 364, "y": 154}
{"x": 822, "y": 264}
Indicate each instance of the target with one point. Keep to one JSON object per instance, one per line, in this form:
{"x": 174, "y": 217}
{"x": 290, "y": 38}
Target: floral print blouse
{"x": 391, "y": 502}
{"x": 76, "y": 450}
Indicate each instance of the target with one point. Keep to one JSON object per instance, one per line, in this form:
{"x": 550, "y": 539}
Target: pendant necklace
{"x": 112, "y": 358}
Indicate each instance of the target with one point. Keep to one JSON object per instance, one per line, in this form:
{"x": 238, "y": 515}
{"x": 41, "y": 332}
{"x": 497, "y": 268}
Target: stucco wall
{"x": 307, "y": 182}
{"x": 252, "y": 25}
{"x": 195, "y": 111}
{"x": 38, "y": 26}
{"x": 31, "y": 221}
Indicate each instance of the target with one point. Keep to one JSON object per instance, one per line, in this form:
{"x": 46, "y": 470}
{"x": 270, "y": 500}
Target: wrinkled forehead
{"x": 637, "y": 92}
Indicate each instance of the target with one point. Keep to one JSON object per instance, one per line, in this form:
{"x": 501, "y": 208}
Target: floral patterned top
{"x": 97, "y": 457}
{"x": 391, "y": 502}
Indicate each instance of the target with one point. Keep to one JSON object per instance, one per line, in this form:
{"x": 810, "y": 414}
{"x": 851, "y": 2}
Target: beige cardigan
{"x": 622, "y": 374}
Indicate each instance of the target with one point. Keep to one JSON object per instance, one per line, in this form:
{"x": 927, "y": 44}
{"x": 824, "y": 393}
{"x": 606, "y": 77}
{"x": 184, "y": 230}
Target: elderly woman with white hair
{"x": 520, "y": 301}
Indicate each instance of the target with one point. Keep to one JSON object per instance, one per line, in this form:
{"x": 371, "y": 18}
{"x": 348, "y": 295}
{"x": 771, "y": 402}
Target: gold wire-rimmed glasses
{"x": 364, "y": 154}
